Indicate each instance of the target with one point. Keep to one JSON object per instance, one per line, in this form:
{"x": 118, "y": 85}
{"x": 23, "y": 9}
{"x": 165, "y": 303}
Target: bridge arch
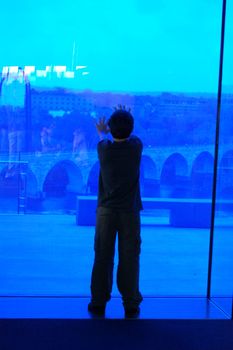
{"x": 226, "y": 160}
{"x": 174, "y": 178}
{"x": 10, "y": 180}
{"x": 93, "y": 178}
{"x": 149, "y": 178}
{"x": 148, "y": 167}
{"x": 202, "y": 176}
{"x": 63, "y": 177}
{"x": 13, "y": 177}
{"x": 225, "y": 178}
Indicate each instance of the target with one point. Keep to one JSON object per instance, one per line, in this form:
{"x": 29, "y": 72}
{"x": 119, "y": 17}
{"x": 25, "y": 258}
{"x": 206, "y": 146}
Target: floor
{"x": 46, "y": 264}
{"x": 76, "y": 308}
{"x": 45, "y": 273}
{"x": 50, "y": 255}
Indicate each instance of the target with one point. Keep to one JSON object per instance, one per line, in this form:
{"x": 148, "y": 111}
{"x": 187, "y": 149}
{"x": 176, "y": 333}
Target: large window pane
{"x": 71, "y": 63}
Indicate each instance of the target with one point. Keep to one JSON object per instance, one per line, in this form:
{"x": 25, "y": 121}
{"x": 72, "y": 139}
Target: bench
{"x": 184, "y": 212}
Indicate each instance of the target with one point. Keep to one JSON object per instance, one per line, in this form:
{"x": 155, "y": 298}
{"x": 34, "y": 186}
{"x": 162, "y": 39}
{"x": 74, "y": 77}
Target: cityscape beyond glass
{"x": 64, "y": 64}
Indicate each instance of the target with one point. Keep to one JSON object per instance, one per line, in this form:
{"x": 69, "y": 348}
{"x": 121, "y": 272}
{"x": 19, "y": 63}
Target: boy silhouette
{"x": 118, "y": 211}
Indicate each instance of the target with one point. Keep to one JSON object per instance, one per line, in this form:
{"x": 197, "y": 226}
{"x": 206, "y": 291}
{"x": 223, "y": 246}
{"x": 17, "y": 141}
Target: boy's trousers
{"x": 109, "y": 222}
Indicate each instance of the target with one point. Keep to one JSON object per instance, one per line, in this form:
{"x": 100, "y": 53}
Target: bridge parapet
{"x": 41, "y": 164}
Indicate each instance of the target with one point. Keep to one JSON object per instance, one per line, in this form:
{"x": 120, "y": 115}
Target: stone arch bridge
{"x": 156, "y": 163}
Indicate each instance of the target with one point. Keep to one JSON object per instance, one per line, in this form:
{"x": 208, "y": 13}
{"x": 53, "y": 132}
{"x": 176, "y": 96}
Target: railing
{"x": 18, "y": 169}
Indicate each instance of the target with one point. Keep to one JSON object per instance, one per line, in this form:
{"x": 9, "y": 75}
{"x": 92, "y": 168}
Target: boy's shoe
{"x": 96, "y": 310}
{"x": 132, "y": 312}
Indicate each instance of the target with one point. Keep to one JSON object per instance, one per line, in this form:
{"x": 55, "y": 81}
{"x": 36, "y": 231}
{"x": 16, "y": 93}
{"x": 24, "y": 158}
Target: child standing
{"x": 118, "y": 211}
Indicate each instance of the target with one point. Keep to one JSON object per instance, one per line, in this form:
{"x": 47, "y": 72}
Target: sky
{"x": 128, "y": 45}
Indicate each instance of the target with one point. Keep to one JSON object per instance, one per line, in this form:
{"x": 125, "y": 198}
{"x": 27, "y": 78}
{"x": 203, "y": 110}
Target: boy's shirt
{"x": 119, "y": 179}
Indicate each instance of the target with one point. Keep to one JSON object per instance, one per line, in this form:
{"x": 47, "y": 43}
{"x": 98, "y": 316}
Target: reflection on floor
{"x": 47, "y": 255}
{"x": 76, "y": 308}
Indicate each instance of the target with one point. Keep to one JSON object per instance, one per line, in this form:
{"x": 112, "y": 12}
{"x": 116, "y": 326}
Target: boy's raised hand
{"x": 102, "y": 126}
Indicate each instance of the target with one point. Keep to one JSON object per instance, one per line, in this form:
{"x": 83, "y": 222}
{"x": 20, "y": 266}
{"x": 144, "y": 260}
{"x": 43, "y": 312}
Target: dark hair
{"x": 121, "y": 124}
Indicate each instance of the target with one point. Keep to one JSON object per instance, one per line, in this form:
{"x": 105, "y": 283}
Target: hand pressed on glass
{"x": 102, "y": 126}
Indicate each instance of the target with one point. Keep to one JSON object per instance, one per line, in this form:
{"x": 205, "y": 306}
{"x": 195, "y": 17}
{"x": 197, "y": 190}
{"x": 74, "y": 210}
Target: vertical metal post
{"x": 18, "y": 181}
{"x": 216, "y": 151}
{"x": 28, "y": 126}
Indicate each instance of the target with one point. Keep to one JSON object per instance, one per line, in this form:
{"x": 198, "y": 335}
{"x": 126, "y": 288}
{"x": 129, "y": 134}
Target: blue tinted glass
{"x": 64, "y": 65}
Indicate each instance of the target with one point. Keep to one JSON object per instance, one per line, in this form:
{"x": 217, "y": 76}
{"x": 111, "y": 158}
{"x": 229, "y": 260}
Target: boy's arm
{"x": 103, "y": 131}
